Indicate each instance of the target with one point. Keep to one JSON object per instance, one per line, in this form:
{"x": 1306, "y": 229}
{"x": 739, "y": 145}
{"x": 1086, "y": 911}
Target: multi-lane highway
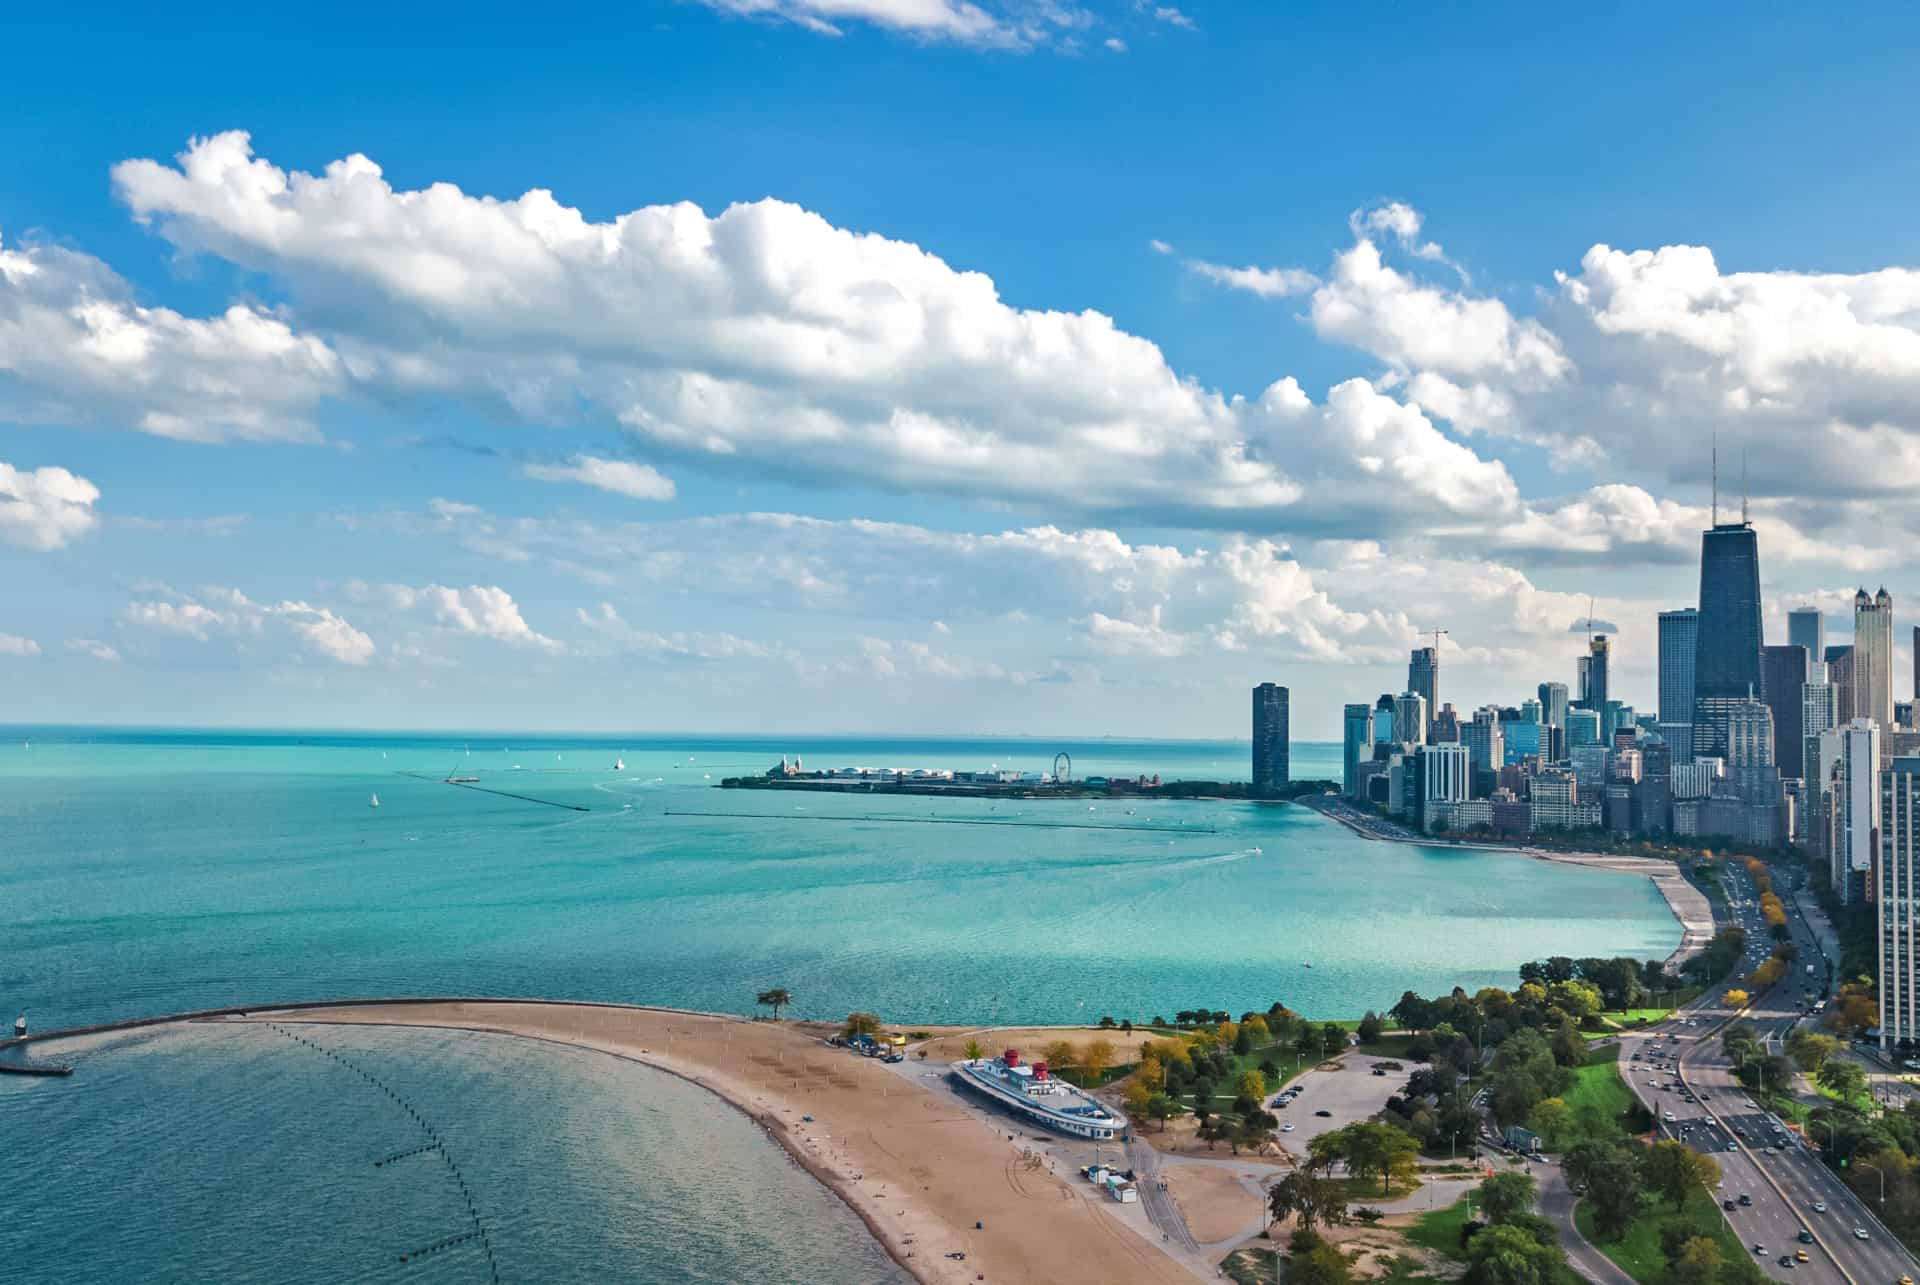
{"x": 1784, "y": 1200}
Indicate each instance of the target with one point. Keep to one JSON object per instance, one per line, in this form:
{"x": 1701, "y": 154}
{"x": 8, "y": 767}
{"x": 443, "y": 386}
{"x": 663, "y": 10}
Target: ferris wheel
{"x": 1062, "y": 768}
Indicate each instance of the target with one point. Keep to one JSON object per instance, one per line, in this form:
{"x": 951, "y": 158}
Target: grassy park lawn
{"x": 1440, "y": 1229}
{"x": 1599, "y": 1085}
{"x": 1638, "y": 1252}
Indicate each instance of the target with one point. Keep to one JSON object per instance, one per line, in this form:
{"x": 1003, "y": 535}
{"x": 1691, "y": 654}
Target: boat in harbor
{"x": 1032, "y": 1092}
{"x": 619, "y": 765}
{"x": 375, "y": 803}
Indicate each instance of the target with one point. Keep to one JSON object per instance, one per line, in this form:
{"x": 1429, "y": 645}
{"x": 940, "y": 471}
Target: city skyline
{"x": 683, "y": 421}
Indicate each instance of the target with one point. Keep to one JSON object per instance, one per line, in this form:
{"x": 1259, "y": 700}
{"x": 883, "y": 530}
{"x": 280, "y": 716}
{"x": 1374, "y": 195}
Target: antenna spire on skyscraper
{"x": 1716, "y": 477}
{"x": 1743, "y": 486}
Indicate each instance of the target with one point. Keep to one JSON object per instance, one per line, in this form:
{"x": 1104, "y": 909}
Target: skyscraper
{"x": 1873, "y": 657}
{"x": 1593, "y": 673}
{"x": 1410, "y": 718}
{"x": 1853, "y": 807}
{"x": 1553, "y": 704}
{"x": 1840, "y": 674}
{"x": 1726, "y": 657}
{"x": 1356, "y": 744}
{"x": 1783, "y": 681}
{"x": 1679, "y": 635}
{"x": 1423, "y": 679}
{"x": 1806, "y": 627}
{"x": 1484, "y": 740}
{"x": 1898, "y": 899}
{"x": 1271, "y": 745}
{"x": 1916, "y": 664}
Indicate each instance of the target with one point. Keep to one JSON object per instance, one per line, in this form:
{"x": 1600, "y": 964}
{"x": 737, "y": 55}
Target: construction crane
{"x": 1436, "y": 639}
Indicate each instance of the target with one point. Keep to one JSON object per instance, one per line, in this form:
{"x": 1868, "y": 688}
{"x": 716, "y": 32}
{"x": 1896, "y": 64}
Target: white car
{"x": 1860, "y": 1233}
{"x": 1286, "y": 1128}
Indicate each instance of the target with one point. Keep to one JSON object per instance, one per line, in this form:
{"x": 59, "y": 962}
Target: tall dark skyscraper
{"x": 1783, "y": 681}
{"x": 1423, "y": 678}
{"x": 1726, "y": 658}
{"x": 1270, "y": 743}
{"x": 1806, "y": 627}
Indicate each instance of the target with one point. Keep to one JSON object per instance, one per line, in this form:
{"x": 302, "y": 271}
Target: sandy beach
{"x": 919, "y": 1167}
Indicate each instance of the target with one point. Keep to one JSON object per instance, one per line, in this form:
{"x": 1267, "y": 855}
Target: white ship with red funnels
{"x": 1031, "y": 1092}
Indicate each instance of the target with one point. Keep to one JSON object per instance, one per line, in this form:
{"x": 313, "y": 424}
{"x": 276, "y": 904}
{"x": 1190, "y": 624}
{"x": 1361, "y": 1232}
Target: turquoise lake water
{"x": 227, "y": 1152}
{"x": 145, "y": 872}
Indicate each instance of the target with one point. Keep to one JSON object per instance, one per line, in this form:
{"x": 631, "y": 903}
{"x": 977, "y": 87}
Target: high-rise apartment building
{"x": 1483, "y": 738}
{"x": 1271, "y": 744}
{"x": 1553, "y": 704}
{"x": 1679, "y": 636}
{"x": 1806, "y": 627}
{"x": 1873, "y": 657}
{"x": 1726, "y": 658}
{"x": 1356, "y": 746}
{"x": 1410, "y": 718}
{"x": 1898, "y": 899}
{"x": 1446, "y": 778}
{"x": 1852, "y": 783}
{"x": 1423, "y": 679}
{"x": 1444, "y": 727}
{"x": 1383, "y": 729}
{"x": 1783, "y": 680}
{"x": 1583, "y": 728}
{"x": 1916, "y": 664}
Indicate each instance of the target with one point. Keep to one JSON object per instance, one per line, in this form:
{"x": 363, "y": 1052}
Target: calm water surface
{"x": 227, "y": 1152}
{"x": 155, "y": 872}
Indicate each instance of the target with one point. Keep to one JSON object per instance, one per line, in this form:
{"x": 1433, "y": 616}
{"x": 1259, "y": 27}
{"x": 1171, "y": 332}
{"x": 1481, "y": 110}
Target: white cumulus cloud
{"x": 622, "y": 477}
{"x": 45, "y": 508}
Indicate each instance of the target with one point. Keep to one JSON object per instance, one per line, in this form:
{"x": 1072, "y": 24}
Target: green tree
{"x": 974, "y": 1050}
{"x": 1370, "y": 1027}
{"x": 1844, "y": 1079}
{"x": 1674, "y": 1170}
{"x": 1333, "y": 1039}
{"x": 1314, "y": 1199}
{"x": 1505, "y": 1196}
{"x": 1160, "y": 1110}
{"x": 1810, "y": 1049}
{"x": 1321, "y": 1265}
{"x": 862, "y": 1023}
{"x": 1251, "y": 1084}
{"x": 1697, "y": 1263}
{"x": 1512, "y": 1255}
{"x": 1552, "y": 1119}
{"x": 776, "y": 999}
{"x": 1608, "y": 1172}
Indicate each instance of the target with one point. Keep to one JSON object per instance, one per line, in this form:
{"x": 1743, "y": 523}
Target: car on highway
{"x": 1786, "y": 1260}
{"x": 1800, "y": 1256}
{"x": 1325, "y": 1115}
{"x": 1860, "y": 1233}
{"x": 1727, "y": 1205}
{"x": 1760, "y": 1249}
{"x": 1819, "y": 1206}
{"x": 1745, "y": 1199}
{"x": 1806, "y": 1237}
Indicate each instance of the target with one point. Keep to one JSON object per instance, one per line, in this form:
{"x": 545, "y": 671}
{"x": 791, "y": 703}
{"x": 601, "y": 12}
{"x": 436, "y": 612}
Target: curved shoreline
{"x": 920, "y": 1171}
{"x": 1689, "y": 906}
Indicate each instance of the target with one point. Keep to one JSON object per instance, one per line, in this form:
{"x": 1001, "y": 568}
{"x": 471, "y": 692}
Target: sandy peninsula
{"x": 929, "y": 1175}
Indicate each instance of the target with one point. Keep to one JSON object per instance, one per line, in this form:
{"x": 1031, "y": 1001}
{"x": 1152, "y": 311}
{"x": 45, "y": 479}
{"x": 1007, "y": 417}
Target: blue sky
{"x": 849, "y": 489}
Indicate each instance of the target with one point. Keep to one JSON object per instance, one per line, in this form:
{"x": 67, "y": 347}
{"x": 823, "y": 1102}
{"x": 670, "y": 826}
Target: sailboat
{"x": 375, "y": 803}
{"x": 619, "y": 765}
